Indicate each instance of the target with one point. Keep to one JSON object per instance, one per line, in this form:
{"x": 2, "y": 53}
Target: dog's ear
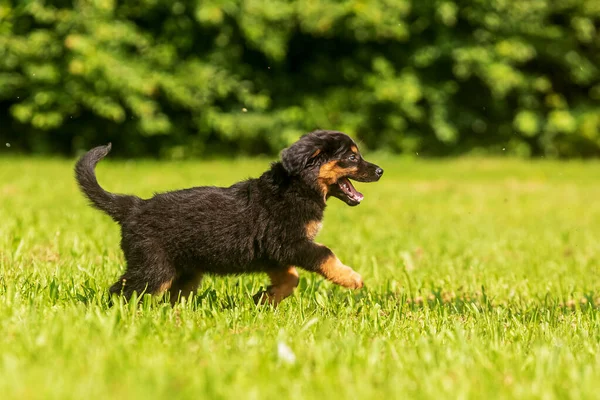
{"x": 300, "y": 155}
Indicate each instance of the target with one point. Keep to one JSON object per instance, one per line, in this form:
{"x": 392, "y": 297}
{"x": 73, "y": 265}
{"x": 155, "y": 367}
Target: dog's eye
{"x": 353, "y": 157}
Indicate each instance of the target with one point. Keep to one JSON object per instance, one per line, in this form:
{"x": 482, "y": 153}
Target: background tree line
{"x": 185, "y": 78}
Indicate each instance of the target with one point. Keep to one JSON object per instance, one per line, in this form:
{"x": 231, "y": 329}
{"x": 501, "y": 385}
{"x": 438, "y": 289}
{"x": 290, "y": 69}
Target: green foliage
{"x": 190, "y": 77}
{"x": 482, "y": 282}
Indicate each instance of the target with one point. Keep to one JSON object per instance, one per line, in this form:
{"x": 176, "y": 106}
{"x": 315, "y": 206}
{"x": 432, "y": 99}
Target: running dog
{"x": 266, "y": 224}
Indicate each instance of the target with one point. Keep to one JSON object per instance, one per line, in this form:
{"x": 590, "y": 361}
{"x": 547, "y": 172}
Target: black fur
{"x": 257, "y": 225}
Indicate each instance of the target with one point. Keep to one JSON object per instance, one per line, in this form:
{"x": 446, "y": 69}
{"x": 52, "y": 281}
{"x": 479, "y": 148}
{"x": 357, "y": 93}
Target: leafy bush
{"x": 194, "y": 77}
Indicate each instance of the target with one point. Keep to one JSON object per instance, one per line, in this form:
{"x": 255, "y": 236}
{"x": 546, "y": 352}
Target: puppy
{"x": 259, "y": 225}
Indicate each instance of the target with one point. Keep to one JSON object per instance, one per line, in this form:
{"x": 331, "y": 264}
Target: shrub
{"x": 185, "y": 78}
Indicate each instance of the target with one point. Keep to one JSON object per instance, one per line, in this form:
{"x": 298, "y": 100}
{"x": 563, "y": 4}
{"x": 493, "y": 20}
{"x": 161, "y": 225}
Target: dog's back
{"x": 213, "y": 224}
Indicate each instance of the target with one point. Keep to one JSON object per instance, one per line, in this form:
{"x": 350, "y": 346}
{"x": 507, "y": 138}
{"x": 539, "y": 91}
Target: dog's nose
{"x": 379, "y": 171}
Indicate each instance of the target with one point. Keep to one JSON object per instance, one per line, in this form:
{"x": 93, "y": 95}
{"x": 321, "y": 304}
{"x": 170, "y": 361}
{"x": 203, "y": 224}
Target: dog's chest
{"x": 313, "y": 228}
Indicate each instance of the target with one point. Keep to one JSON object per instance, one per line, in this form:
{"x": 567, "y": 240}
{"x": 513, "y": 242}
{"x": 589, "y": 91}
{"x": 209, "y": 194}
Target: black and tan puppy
{"x": 259, "y": 225}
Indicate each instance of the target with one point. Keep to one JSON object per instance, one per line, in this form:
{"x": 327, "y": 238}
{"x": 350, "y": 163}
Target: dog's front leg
{"x": 318, "y": 258}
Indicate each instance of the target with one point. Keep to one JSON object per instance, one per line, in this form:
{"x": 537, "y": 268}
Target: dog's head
{"x": 327, "y": 160}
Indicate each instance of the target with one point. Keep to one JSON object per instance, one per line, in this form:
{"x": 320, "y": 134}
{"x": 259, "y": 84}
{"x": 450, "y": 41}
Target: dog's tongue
{"x": 349, "y": 189}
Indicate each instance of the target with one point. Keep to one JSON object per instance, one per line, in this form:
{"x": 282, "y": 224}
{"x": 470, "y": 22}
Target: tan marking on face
{"x": 330, "y": 173}
{"x": 316, "y": 153}
{"x": 354, "y": 149}
{"x": 333, "y": 270}
{"x": 313, "y": 228}
{"x": 283, "y": 283}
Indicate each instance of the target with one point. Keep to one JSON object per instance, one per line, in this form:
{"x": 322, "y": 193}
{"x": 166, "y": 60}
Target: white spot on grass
{"x": 244, "y": 109}
{"x": 7, "y": 144}
{"x": 310, "y": 323}
{"x": 285, "y": 354}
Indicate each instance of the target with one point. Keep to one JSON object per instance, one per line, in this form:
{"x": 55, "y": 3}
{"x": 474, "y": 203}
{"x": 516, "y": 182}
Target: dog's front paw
{"x": 349, "y": 278}
{"x": 341, "y": 274}
{"x": 355, "y": 280}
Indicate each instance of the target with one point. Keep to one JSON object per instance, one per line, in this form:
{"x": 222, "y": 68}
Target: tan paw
{"x": 349, "y": 278}
{"x": 358, "y": 281}
{"x": 341, "y": 274}
{"x": 355, "y": 280}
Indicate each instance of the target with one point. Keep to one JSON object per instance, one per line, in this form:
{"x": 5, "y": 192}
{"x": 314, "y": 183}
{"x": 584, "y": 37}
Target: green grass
{"x": 482, "y": 281}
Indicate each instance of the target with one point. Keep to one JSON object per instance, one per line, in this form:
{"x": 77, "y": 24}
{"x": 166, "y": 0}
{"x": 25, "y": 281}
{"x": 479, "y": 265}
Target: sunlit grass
{"x": 482, "y": 281}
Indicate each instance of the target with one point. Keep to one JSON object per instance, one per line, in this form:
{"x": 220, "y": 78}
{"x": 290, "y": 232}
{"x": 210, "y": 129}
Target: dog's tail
{"x": 118, "y": 206}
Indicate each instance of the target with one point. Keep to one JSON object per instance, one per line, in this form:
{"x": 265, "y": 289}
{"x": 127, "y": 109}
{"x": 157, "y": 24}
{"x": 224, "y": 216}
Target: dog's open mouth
{"x": 349, "y": 190}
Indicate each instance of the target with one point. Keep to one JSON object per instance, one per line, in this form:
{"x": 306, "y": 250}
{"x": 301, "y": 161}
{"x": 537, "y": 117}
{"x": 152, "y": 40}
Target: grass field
{"x": 482, "y": 281}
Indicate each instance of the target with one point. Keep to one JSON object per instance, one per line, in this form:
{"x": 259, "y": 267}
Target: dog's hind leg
{"x": 145, "y": 275}
{"x": 283, "y": 283}
{"x": 184, "y": 285}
